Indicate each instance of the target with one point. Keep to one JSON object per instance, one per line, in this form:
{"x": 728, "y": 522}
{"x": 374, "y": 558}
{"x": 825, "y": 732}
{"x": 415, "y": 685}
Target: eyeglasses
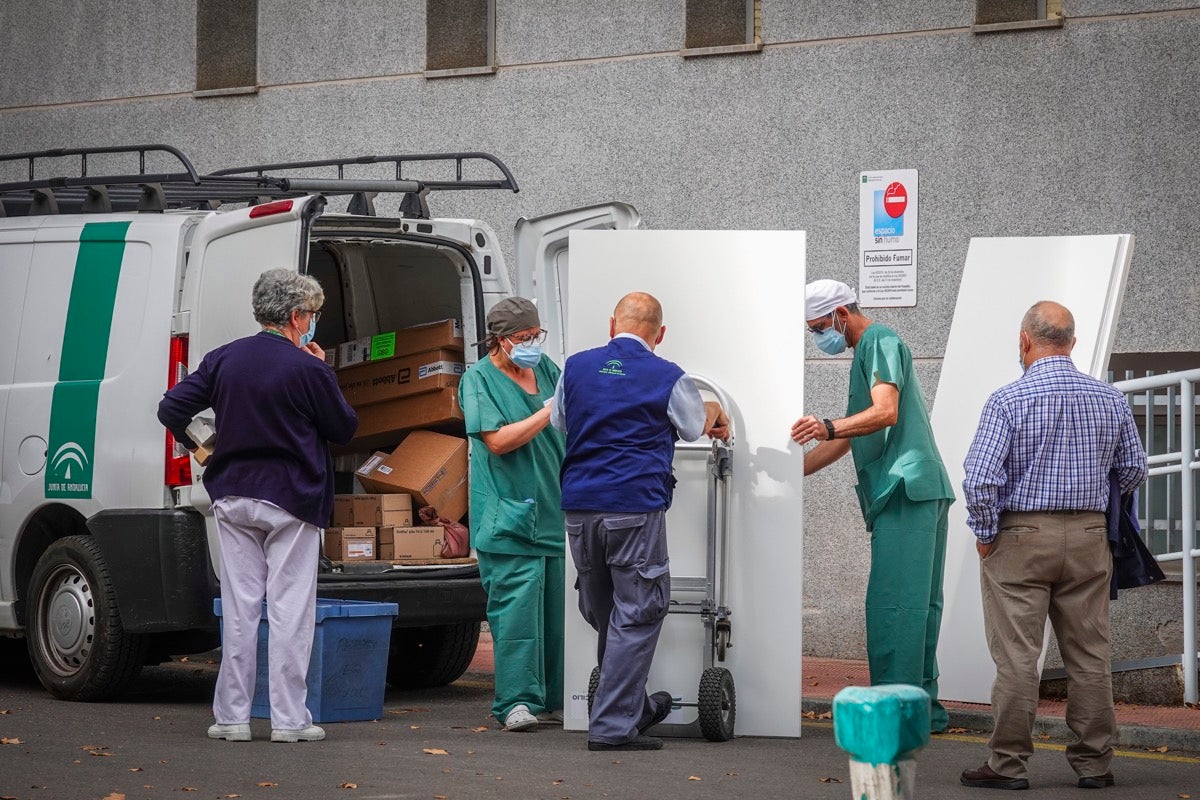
{"x": 530, "y": 338}
{"x": 316, "y": 316}
{"x": 829, "y": 317}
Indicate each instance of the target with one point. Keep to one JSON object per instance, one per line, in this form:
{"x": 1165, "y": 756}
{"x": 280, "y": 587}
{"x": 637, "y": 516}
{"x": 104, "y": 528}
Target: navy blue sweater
{"x": 277, "y": 408}
{"x": 620, "y": 440}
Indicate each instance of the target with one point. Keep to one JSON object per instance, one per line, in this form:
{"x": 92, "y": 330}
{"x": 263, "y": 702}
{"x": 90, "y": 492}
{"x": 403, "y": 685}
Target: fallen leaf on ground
{"x": 439, "y": 797}
{"x": 414, "y": 727}
{"x": 231, "y": 795}
{"x": 7, "y": 740}
{"x": 435, "y": 751}
{"x": 831, "y": 780}
{"x": 187, "y": 789}
{"x": 956, "y": 730}
{"x": 693, "y": 778}
{"x": 480, "y": 729}
{"x": 266, "y": 783}
{"x": 731, "y": 774}
{"x": 557, "y": 782}
{"x": 113, "y": 796}
{"x": 347, "y": 785}
{"x": 1185, "y": 797}
{"x": 4, "y": 711}
{"x": 1162, "y": 749}
{"x": 184, "y": 659}
{"x": 135, "y": 769}
{"x": 825, "y": 715}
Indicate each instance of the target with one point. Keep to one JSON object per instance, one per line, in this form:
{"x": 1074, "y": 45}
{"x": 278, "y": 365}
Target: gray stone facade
{"x": 1088, "y": 128}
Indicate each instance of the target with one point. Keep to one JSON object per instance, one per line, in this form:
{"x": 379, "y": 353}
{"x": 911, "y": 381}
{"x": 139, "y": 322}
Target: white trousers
{"x": 266, "y": 553}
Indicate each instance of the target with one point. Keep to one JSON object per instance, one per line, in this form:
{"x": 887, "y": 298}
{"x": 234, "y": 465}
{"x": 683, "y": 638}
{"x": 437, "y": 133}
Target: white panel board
{"x": 732, "y": 304}
{"x": 1002, "y": 278}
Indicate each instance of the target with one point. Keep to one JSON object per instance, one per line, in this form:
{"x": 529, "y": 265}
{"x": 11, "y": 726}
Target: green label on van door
{"x": 84, "y": 353}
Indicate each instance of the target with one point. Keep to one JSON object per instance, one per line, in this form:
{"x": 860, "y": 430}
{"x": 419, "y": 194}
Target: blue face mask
{"x": 305, "y": 338}
{"x": 830, "y": 340}
{"x": 525, "y": 356}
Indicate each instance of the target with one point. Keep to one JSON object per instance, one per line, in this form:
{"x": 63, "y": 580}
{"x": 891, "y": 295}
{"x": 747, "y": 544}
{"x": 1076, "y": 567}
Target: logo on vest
{"x": 612, "y": 367}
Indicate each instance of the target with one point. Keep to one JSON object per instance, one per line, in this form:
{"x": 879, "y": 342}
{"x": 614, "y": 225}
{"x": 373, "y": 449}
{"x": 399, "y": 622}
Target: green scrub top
{"x": 516, "y": 499}
{"x": 904, "y": 453}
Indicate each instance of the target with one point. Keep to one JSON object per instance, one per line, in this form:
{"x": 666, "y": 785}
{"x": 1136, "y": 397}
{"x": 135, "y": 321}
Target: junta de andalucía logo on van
{"x": 72, "y": 435}
{"x": 613, "y": 367}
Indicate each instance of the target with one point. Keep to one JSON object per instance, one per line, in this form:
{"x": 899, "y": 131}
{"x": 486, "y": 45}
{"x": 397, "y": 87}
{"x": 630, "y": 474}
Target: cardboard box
{"x": 350, "y": 544}
{"x": 445, "y": 334}
{"x": 432, "y": 467}
{"x": 343, "y": 514}
{"x": 416, "y": 542}
{"x": 383, "y": 424}
{"x": 377, "y": 510}
{"x": 377, "y": 381}
{"x": 387, "y": 552}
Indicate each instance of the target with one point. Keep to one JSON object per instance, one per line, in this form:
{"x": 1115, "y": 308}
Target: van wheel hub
{"x": 70, "y": 621}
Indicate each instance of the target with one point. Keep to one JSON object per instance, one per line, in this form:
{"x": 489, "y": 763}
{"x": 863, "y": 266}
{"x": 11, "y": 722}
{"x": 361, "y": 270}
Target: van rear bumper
{"x": 425, "y": 598}
{"x": 160, "y": 569}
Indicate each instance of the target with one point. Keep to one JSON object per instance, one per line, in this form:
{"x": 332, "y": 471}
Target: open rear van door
{"x": 540, "y": 247}
{"x": 229, "y": 251}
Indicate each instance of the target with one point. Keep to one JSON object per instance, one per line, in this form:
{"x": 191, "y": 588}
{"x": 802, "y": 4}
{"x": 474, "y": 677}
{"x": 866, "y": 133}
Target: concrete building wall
{"x": 1088, "y": 128}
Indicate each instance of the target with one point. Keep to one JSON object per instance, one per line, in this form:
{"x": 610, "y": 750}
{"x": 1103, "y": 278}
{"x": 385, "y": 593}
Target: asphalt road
{"x": 441, "y": 744}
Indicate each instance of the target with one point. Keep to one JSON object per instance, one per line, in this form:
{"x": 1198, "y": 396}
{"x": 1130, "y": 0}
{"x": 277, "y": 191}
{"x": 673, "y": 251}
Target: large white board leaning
{"x": 1002, "y": 278}
{"x": 733, "y": 307}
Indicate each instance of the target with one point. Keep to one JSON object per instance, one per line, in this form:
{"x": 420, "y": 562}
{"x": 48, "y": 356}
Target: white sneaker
{"x": 551, "y": 717}
{"x": 519, "y": 719}
{"x": 230, "y": 733}
{"x": 313, "y": 733}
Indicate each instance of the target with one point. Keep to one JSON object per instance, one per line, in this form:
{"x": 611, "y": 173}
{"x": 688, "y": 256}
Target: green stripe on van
{"x": 84, "y": 354}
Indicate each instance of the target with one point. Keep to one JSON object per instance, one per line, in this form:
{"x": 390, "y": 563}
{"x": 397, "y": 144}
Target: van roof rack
{"x": 186, "y": 188}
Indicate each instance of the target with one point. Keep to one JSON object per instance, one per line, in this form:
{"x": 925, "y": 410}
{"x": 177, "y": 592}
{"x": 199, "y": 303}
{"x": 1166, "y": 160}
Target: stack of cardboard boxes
{"x": 401, "y": 384}
{"x": 402, "y": 380}
{"x": 426, "y": 469}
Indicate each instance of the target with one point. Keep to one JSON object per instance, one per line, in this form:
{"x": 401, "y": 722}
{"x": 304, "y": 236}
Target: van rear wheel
{"x": 77, "y": 645}
{"x": 419, "y": 658}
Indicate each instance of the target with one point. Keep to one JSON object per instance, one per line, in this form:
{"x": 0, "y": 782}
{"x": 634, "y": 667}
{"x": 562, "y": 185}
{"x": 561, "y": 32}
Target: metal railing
{"x": 1168, "y": 505}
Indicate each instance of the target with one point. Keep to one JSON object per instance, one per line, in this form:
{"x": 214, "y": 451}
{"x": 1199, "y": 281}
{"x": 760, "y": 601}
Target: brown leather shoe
{"x": 987, "y": 778}
{"x": 1097, "y": 781}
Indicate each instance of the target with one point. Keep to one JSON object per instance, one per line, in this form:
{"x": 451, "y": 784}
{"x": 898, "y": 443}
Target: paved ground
{"x": 152, "y": 745}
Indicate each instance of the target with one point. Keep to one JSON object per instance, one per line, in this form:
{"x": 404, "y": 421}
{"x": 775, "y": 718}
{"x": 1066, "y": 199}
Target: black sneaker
{"x": 662, "y": 708}
{"x": 639, "y": 742}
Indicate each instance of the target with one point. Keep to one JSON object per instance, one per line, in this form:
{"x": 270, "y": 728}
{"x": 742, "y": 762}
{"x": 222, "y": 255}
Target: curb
{"x": 1128, "y": 736}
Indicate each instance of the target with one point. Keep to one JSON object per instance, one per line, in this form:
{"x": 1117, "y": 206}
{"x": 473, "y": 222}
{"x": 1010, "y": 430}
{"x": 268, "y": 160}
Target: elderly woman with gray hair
{"x": 270, "y": 477}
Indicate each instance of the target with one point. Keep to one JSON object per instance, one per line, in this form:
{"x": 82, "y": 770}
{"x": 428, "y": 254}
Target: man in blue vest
{"x": 622, "y": 409}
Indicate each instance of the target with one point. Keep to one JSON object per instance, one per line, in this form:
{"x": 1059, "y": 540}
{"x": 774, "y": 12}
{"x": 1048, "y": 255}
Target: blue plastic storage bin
{"x": 347, "y": 672}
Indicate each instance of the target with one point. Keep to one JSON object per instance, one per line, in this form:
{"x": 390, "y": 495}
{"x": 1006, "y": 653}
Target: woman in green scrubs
{"x": 516, "y": 514}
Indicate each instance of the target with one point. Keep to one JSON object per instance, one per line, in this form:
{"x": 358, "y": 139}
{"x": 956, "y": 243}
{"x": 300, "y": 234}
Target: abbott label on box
{"x": 432, "y": 467}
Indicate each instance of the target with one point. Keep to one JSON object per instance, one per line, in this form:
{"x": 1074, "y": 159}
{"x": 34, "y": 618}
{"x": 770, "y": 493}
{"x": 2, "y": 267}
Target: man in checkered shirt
{"x": 1036, "y": 487}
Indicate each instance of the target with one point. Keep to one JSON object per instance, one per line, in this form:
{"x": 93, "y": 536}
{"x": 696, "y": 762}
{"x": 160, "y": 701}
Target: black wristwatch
{"x": 829, "y": 429}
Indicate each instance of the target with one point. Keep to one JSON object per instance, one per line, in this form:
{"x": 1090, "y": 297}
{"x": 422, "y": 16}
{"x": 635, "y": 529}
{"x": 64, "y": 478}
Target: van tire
{"x": 77, "y": 645}
{"x": 419, "y": 658}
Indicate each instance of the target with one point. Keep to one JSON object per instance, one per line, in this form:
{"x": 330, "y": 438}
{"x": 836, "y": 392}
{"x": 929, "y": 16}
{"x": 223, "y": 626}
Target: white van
{"x": 110, "y": 286}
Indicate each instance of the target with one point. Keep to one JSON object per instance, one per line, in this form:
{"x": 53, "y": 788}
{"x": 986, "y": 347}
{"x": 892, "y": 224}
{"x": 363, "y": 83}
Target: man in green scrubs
{"x": 903, "y": 488}
{"x": 517, "y": 525}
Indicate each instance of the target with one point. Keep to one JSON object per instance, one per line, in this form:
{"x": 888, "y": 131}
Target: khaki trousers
{"x": 1058, "y": 565}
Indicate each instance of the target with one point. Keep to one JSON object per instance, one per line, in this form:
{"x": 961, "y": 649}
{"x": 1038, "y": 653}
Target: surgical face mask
{"x": 525, "y": 356}
{"x": 830, "y": 340}
{"x": 305, "y": 338}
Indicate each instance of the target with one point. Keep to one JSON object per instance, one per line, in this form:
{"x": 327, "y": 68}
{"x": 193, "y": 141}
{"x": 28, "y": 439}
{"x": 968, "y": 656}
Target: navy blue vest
{"x": 620, "y": 442}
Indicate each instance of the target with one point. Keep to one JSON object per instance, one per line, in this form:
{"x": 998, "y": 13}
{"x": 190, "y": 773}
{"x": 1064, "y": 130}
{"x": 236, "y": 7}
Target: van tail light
{"x": 267, "y": 209}
{"x": 178, "y": 462}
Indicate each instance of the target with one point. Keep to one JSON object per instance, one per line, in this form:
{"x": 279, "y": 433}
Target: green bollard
{"x": 882, "y": 727}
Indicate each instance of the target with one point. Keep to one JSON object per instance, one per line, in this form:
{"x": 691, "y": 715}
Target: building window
{"x": 717, "y": 27}
{"x": 460, "y": 37}
{"x": 226, "y": 46}
{"x": 1006, "y": 15}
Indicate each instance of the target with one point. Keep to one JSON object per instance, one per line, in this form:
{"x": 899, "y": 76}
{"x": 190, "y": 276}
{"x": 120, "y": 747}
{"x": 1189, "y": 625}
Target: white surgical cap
{"x": 823, "y": 296}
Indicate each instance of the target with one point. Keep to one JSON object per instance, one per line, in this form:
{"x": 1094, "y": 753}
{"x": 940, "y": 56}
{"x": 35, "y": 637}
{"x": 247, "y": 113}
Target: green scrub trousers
{"x": 518, "y": 534}
{"x": 904, "y": 596}
{"x": 905, "y": 496}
